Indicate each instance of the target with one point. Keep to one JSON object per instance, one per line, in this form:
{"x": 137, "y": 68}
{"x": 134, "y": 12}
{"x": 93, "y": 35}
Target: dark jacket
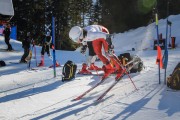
{"x": 26, "y": 42}
{"x": 7, "y": 32}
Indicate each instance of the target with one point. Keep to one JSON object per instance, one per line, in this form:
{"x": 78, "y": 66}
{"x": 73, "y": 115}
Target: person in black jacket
{"x": 46, "y": 42}
{"x": 26, "y": 45}
{"x": 6, "y": 33}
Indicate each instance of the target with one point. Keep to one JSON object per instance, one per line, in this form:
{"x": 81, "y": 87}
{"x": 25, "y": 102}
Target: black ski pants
{"x": 26, "y": 53}
{"x": 7, "y": 39}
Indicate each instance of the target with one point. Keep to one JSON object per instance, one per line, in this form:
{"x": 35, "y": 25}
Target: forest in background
{"x": 35, "y": 16}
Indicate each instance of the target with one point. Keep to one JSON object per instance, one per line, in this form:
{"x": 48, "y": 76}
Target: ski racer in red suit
{"x": 99, "y": 39}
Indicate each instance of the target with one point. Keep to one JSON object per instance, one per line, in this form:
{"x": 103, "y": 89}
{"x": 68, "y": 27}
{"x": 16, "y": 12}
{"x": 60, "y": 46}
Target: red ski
{"x": 86, "y": 92}
{"x": 116, "y": 81}
{"x": 104, "y": 93}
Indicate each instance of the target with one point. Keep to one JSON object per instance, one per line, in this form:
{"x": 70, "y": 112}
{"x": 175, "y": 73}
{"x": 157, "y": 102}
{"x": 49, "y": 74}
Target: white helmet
{"x": 76, "y": 33}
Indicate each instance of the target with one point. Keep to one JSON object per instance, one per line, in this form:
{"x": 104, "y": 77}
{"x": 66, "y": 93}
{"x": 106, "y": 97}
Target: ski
{"x": 16, "y": 63}
{"x": 89, "y": 90}
{"x": 5, "y": 50}
{"x": 105, "y": 92}
{"x": 100, "y": 73}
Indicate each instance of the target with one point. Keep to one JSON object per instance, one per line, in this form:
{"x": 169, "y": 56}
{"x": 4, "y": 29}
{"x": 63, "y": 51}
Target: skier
{"x": 99, "y": 39}
{"x": 26, "y": 45}
{"x": 46, "y": 42}
{"x": 92, "y": 55}
{"x": 6, "y": 33}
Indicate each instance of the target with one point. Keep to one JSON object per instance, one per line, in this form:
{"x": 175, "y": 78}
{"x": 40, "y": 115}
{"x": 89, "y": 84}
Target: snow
{"x": 35, "y": 95}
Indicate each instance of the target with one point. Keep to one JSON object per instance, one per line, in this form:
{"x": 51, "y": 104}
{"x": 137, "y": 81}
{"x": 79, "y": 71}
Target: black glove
{"x": 109, "y": 41}
{"x": 111, "y": 52}
{"x": 83, "y": 49}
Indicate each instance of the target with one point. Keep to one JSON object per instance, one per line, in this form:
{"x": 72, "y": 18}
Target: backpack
{"x": 69, "y": 71}
{"x": 137, "y": 64}
{"x": 173, "y": 81}
{"x": 2, "y": 63}
{"x": 124, "y": 58}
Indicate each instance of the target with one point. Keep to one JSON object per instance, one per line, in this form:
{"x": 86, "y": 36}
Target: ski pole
{"x": 29, "y": 66}
{"x": 35, "y": 54}
{"x": 119, "y": 62}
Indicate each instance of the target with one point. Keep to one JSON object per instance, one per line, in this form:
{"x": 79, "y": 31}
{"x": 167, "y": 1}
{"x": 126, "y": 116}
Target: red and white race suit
{"x": 97, "y": 34}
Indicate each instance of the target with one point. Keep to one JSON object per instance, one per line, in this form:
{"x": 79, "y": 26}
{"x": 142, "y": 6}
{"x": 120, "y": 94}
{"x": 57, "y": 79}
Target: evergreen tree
{"x": 117, "y": 15}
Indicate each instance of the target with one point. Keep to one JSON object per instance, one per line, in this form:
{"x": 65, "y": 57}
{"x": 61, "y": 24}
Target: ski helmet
{"x": 76, "y": 33}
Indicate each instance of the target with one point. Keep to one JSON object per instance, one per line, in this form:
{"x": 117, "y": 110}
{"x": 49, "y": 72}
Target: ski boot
{"x": 108, "y": 69}
{"x": 84, "y": 69}
{"x": 41, "y": 63}
{"x": 22, "y": 61}
{"x": 93, "y": 67}
{"x": 120, "y": 73}
{"x": 57, "y": 65}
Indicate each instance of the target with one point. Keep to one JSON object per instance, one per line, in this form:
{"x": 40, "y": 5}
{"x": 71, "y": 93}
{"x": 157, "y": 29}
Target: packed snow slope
{"x": 37, "y": 95}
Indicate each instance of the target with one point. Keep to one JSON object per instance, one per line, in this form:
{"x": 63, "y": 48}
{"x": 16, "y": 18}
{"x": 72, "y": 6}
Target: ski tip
{"x": 84, "y": 73}
{"x": 73, "y": 100}
{"x": 76, "y": 99}
{"x": 96, "y": 102}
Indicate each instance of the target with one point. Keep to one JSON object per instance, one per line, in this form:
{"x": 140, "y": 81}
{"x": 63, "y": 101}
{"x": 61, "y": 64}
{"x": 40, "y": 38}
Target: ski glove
{"x": 109, "y": 41}
{"x": 83, "y": 49}
{"x": 110, "y": 52}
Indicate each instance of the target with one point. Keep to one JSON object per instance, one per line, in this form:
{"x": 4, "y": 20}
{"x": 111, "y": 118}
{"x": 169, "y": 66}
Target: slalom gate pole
{"x": 30, "y": 52}
{"x": 165, "y": 52}
{"x": 170, "y": 36}
{"x": 165, "y": 60}
{"x": 119, "y": 62}
{"x": 53, "y": 46}
{"x": 35, "y": 54}
{"x": 156, "y": 17}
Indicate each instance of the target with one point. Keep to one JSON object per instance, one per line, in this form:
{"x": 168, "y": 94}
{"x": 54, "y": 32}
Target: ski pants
{"x": 97, "y": 45}
{"x": 26, "y": 53}
{"x": 91, "y": 59}
{"x": 45, "y": 48}
{"x": 7, "y": 39}
{"x": 92, "y": 55}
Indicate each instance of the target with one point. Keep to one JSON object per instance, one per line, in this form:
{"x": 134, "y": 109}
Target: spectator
{"x": 46, "y": 42}
{"x": 26, "y": 45}
{"x": 6, "y": 33}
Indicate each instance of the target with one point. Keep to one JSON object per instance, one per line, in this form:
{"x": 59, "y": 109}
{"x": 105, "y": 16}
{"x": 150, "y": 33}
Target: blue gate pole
{"x": 156, "y": 15}
{"x": 53, "y": 43}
